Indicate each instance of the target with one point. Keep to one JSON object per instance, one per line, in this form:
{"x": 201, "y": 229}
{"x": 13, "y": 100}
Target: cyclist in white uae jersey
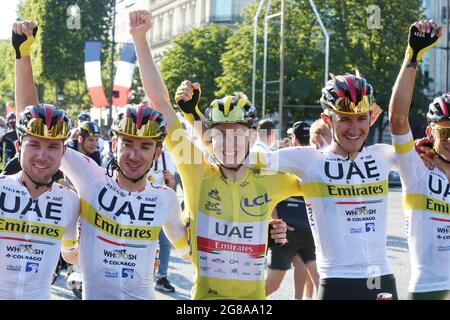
{"x": 426, "y": 192}
{"x": 37, "y": 216}
{"x": 346, "y": 191}
{"x": 121, "y": 212}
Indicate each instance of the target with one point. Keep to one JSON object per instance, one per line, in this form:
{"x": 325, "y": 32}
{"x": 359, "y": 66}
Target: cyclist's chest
{"x": 436, "y": 185}
{"x": 124, "y": 208}
{"x": 49, "y": 208}
{"x": 245, "y": 200}
{"x": 364, "y": 169}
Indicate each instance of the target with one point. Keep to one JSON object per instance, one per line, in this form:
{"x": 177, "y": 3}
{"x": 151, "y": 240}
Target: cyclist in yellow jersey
{"x": 228, "y": 206}
{"x": 426, "y": 192}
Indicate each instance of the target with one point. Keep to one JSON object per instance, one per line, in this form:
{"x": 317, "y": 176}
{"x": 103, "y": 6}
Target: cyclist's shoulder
{"x": 9, "y": 180}
{"x": 380, "y": 148}
{"x": 59, "y": 188}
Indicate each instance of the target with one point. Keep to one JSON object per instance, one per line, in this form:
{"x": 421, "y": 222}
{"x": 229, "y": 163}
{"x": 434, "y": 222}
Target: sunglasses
{"x": 440, "y": 133}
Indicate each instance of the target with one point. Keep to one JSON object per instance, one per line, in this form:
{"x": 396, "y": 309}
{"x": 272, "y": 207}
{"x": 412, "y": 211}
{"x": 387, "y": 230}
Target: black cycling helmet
{"x": 438, "y": 110}
{"x": 11, "y": 119}
{"x": 89, "y": 129}
{"x": 231, "y": 109}
{"x": 349, "y": 94}
{"x": 140, "y": 121}
{"x": 44, "y": 121}
{"x": 84, "y": 117}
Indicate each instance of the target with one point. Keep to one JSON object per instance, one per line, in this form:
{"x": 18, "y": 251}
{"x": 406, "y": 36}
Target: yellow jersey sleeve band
{"x": 403, "y": 144}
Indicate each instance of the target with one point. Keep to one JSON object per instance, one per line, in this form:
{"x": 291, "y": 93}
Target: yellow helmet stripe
{"x": 227, "y": 105}
{"x": 242, "y": 103}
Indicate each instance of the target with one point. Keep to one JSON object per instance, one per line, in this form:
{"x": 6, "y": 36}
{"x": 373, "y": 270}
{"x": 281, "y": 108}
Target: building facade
{"x": 434, "y": 62}
{"x": 174, "y": 17}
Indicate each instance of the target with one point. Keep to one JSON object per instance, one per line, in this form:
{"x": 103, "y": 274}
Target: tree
{"x": 377, "y": 53}
{"x": 195, "y": 56}
{"x": 58, "y": 54}
{"x": 7, "y": 75}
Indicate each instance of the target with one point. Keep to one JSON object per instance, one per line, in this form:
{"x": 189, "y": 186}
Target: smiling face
{"x": 349, "y": 130}
{"x": 230, "y": 143}
{"x": 135, "y": 155}
{"x": 40, "y": 158}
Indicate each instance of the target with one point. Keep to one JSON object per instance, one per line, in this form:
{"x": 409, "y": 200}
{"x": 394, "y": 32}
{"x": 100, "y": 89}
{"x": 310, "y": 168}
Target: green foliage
{"x": 195, "y": 56}
{"x": 7, "y": 74}
{"x": 58, "y": 54}
{"x": 377, "y": 53}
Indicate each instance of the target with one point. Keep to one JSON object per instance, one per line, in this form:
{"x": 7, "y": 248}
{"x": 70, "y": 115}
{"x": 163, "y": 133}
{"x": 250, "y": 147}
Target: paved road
{"x": 180, "y": 271}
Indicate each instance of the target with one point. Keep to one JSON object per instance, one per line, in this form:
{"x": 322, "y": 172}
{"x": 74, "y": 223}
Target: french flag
{"x": 92, "y": 70}
{"x": 124, "y": 75}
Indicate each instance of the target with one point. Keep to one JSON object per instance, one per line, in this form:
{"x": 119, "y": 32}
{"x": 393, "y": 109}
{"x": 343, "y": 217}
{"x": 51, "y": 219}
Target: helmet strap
{"x": 441, "y": 157}
{"x": 37, "y": 185}
{"x": 113, "y": 165}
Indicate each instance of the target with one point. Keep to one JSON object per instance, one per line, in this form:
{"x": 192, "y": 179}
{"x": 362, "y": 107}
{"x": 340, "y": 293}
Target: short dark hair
{"x": 266, "y": 124}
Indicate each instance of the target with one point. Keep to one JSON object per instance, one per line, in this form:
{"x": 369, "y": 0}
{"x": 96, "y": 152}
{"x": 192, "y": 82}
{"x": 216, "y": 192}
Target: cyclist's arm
{"x": 69, "y": 248}
{"x": 421, "y": 39}
{"x": 294, "y": 160}
{"x": 154, "y": 86}
{"x": 410, "y": 164}
{"x": 174, "y": 228}
{"x": 80, "y": 169}
{"x": 25, "y": 91}
{"x": 401, "y": 99}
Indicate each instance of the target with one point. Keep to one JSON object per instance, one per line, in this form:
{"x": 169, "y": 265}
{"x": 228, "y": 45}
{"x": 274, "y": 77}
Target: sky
{"x": 7, "y": 17}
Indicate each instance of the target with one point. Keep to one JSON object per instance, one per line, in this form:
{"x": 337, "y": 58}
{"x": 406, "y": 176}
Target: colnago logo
{"x": 52, "y": 209}
{"x": 360, "y": 211}
{"x": 335, "y": 171}
{"x": 108, "y": 202}
{"x": 119, "y": 254}
{"x": 119, "y": 263}
{"x": 23, "y": 257}
{"x": 24, "y": 248}
{"x": 357, "y": 219}
{"x": 438, "y": 186}
{"x": 256, "y": 207}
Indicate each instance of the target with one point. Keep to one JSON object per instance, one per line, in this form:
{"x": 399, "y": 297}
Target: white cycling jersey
{"x": 347, "y": 205}
{"x": 426, "y": 201}
{"x": 32, "y": 233}
{"x": 119, "y": 231}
